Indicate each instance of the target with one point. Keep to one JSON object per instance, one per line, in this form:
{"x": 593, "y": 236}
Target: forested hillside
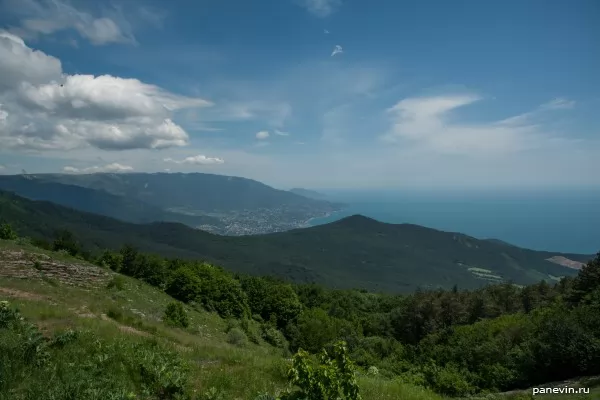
{"x": 356, "y": 252}
{"x": 97, "y": 201}
{"x": 454, "y": 342}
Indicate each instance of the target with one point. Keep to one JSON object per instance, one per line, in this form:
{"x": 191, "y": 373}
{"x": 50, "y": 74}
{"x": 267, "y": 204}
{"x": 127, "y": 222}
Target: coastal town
{"x": 260, "y": 221}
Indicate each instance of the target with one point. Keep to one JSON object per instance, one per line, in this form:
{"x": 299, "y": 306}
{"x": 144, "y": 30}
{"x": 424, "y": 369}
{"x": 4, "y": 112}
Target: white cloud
{"x": 45, "y": 17}
{"x": 558, "y": 103}
{"x": 321, "y": 8}
{"x": 273, "y": 113}
{"x": 262, "y": 135}
{"x": 44, "y": 109}
{"x": 197, "y": 160}
{"x": 114, "y": 167}
{"x": 425, "y": 122}
{"x": 281, "y": 133}
{"x": 337, "y": 50}
{"x": 19, "y": 63}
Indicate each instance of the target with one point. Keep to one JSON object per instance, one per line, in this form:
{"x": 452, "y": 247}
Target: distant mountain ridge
{"x": 216, "y": 203}
{"x": 207, "y": 192}
{"x": 354, "y": 252}
{"x": 311, "y": 194}
{"x": 96, "y": 201}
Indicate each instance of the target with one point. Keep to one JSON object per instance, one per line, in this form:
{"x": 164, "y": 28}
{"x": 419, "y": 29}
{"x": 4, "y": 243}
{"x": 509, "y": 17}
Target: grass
{"x": 126, "y": 312}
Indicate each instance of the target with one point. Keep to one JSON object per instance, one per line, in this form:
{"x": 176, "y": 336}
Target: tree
{"x": 128, "y": 260}
{"x": 65, "y": 240}
{"x": 587, "y": 281}
{"x": 185, "y": 285}
{"x": 268, "y": 298}
{"x": 313, "y": 330}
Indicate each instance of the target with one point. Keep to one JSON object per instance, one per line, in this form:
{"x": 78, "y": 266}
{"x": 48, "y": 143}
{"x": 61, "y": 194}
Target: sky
{"x": 306, "y": 93}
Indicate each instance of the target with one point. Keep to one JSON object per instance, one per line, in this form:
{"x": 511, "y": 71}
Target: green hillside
{"x": 354, "y": 252}
{"x": 72, "y": 326}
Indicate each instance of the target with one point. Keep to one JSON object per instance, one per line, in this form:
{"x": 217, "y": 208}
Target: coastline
{"x": 307, "y": 223}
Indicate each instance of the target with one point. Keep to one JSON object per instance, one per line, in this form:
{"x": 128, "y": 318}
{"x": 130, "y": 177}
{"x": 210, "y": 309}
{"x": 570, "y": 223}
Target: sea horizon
{"x": 555, "y": 221}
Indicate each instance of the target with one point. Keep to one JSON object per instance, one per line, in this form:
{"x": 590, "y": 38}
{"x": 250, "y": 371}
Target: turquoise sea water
{"x": 546, "y": 220}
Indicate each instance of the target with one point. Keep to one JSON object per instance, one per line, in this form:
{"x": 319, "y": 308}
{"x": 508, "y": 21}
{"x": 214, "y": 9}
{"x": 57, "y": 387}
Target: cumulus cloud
{"x": 42, "y": 108}
{"x": 262, "y": 135}
{"x": 197, "y": 160}
{"x": 45, "y": 17}
{"x": 19, "y": 63}
{"x": 281, "y": 133}
{"x": 114, "y": 168}
{"x": 321, "y": 8}
{"x": 425, "y": 121}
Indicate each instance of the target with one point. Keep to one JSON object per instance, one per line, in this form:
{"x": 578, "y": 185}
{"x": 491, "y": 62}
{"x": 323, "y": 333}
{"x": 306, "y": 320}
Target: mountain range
{"x": 355, "y": 252}
{"x": 215, "y": 203}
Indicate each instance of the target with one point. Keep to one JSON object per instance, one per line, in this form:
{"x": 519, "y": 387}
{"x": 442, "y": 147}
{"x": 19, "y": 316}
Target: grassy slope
{"x": 354, "y": 252}
{"x": 237, "y": 373}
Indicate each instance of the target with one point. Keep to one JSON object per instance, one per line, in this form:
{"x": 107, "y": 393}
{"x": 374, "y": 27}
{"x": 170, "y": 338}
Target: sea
{"x": 566, "y": 221}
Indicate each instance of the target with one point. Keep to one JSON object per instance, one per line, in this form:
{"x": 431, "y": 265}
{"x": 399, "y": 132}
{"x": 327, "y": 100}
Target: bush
{"x": 175, "y": 315}
{"x": 79, "y": 365}
{"x": 449, "y": 380}
{"x": 7, "y": 232}
{"x": 237, "y": 337}
{"x": 273, "y": 336}
{"x": 115, "y": 313}
{"x": 333, "y": 377}
{"x": 117, "y": 282}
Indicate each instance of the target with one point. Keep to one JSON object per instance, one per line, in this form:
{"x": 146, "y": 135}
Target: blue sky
{"x": 422, "y": 94}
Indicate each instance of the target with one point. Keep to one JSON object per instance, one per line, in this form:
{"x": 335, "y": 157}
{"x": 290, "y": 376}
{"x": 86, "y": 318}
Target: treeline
{"x": 497, "y": 338}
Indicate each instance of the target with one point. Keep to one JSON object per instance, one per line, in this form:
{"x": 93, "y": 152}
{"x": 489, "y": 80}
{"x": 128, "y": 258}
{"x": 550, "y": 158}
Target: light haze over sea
{"x": 561, "y": 221}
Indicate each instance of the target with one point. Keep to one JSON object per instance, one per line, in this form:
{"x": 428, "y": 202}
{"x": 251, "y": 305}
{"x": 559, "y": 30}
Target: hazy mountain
{"x": 311, "y": 194}
{"x": 193, "y": 191}
{"x": 97, "y": 201}
{"x": 353, "y": 252}
{"x": 216, "y": 203}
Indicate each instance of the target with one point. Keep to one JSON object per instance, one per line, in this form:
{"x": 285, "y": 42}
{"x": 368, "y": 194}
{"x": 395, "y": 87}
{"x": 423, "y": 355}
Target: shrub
{"x": 237, "y": 337}
{"x": 7, "y": 232}
{"x": 115, "y": 313}
{"x": 79, "y": 365}
{"x": 8, "y": 315}
{"x": 449, "y": 380}
{"x": 273, "y": 336}
{"x": 333, "y": 377}
{"x": 175, "y": 315}
{"x": 117, "y": 282}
